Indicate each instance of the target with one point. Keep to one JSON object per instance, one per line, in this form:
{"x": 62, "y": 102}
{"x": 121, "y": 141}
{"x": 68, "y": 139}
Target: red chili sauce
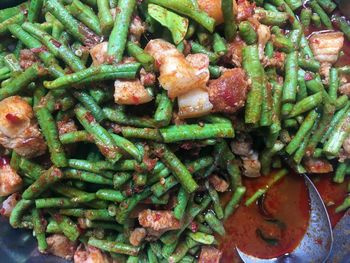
{"x": 332, "y": 195}
{"x": 286, "y": 203}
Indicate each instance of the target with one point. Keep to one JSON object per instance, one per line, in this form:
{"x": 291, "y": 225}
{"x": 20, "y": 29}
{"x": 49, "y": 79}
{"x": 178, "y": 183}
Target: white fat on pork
{"x": 264, "y": 36}
{"x": 195, "y": 103}
{"x": 326, "y": 46}
{"x": 177, "y": 75}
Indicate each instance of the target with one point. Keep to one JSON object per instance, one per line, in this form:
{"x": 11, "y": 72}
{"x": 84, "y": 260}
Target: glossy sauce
{"x": 287, "y": 201}
{"x": 332, "y": 195}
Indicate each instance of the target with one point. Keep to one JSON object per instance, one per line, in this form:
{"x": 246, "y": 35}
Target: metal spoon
{"x": 341, "y": 245}
{"x": 317, "y": 241}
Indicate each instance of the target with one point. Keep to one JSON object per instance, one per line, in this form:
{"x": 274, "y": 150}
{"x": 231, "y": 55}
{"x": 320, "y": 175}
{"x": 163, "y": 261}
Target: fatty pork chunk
{"x": 137, "y": 29}
{"x": 126, "y": 92}
{"x": 10, "y": 181}
{"x": 137, "y": 236}
{"x": 326, "y": 47}
{"x": 177, "y": 75}
{"x": 264, "y": 35}
{"x": 99, "y": 54}
{"x": 317, "y": 165}
{"x": 242, "y": 146}
{"x": 60, "y": 246}
{"x": 90, "y": 254}
{"x": 209, "y": 255}
{"x": 158, "y": 220}
{"x": 195, "y": 103}
{"x": 19, "y": 129}
{"x": 218, "y": 183}
{"x": 131, "y": 92}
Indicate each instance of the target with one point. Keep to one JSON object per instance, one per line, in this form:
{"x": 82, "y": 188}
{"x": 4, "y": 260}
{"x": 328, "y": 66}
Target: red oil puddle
{"x": 287, "y": 202}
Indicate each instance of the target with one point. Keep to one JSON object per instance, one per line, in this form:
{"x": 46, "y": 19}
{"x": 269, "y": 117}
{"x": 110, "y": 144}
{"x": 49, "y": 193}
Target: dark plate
{"x": 19, "y": 246}
{"x": 10, "y": 3}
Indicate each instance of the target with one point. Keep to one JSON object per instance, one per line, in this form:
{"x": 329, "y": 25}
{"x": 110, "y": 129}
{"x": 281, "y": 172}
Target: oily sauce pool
{"x": 282, "y": 216}
{"x": 270, "y": 227}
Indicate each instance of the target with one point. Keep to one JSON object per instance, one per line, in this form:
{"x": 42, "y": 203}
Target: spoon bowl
{"x": 317, "y": 241}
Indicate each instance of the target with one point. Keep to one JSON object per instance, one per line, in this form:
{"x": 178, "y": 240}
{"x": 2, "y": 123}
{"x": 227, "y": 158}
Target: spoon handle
{"x": 341, "y": 234}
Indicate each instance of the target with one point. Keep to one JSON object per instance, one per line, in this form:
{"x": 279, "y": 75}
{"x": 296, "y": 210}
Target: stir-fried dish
{"x": 172, "y": 130}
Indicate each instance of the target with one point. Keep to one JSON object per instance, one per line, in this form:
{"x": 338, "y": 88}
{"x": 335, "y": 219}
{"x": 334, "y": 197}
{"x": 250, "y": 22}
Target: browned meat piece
{"x": 326, "y": 46}
{"x": 137, "y": 235}
{"x": 136, "y": 29}
{"x": 276, "y": 61}
{"x": 61, "y": 246}
{"x": 251, "y": 165}
{"x": 99, "y": 54}
{"x": 8, "y": 204}
{"x": 245, "y": 9}
{"x": 218, "y": 183}
{"x": 27, "y": 58}
{"x": 158, "y": 220}
{"x": 229, "y": 92}
{"x": 317, "y": 165}
{"x": 10, "y": 181}
{"x": 242, "y": 145}
{"x": 130, "y": 92}
{"x": 345, "y": 89}
{"x": 66, "y": 126}
{"x": 147, "y": 78}
{"x": 90, "y": 255}
{"x": 18, "y": 128}
{"x": 234, "y": 54}
{"x": 209, "y": 255}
